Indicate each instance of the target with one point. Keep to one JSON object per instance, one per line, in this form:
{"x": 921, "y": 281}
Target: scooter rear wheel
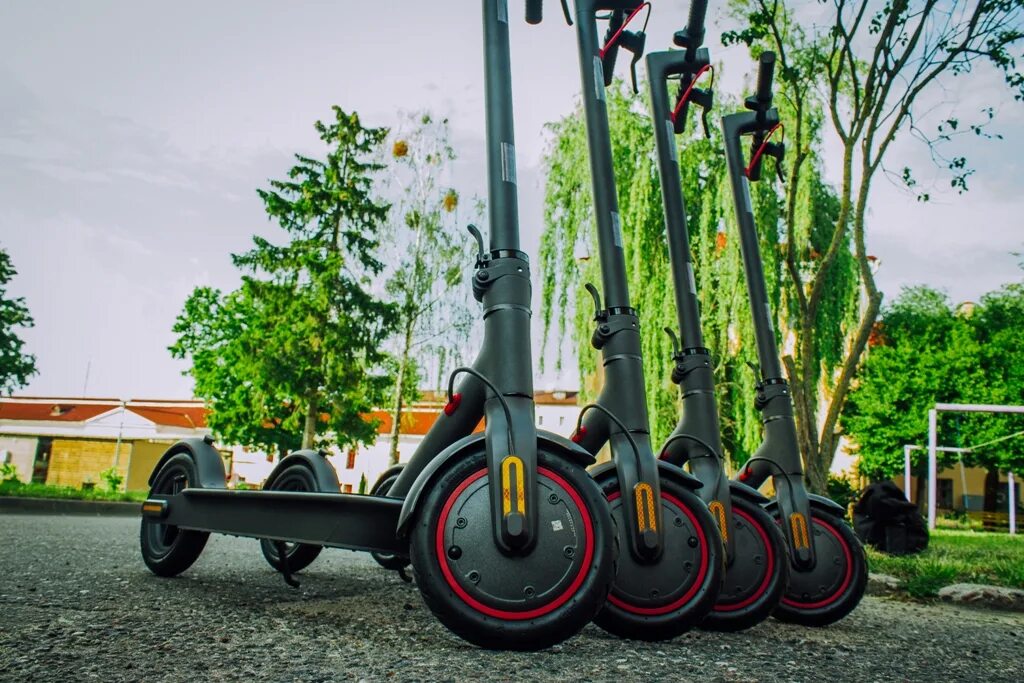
{"x": 297, "y": 477}
{"x": 166, "y": 549}
{"x": 380, "y": 488}
{"x": 663, "y": 599}
{"x": 513, "y": 602}
{"x": 835, "y": 585}
{"x": 759, "y": 574}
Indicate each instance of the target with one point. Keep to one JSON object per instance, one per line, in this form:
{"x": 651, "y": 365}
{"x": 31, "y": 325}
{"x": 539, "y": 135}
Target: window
{"x": 346, "y": 488}
{"x": 540, "y": 419}
{"x": 350, "y": 461}
{"x": 944, "y": 497}
{"x": 561, "y": 420}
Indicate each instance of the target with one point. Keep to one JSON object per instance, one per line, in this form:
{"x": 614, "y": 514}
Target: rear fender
{"x": 323, "y": 472}
{"x": 209, "y": 464}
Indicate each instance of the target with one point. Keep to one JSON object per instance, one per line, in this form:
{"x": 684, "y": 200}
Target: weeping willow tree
{"x": 569, "y": 238}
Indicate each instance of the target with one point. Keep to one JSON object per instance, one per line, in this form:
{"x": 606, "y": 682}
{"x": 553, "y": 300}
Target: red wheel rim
{"x": 588, "y": 535}
{"x": 846, "y": 578}
{"x": 770, "y": 551}
{"x": 665, "y": 609}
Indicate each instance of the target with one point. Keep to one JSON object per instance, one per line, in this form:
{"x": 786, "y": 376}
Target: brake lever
{"x": 566, "y": 13}
{"x": 635, "y": 43}
{"x": 599, "y": 312}
{"x": 475, "y": 232}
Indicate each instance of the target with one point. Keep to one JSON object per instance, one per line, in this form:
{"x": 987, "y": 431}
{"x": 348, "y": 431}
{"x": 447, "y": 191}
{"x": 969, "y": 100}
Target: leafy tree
{"x": 924, "y": 352}
{"x": 295, "y": 353}
{"x": 728, "y": 330}
{"x": 430, "y": 253}
{"x": 873, "y": 72}
{"x": 16, "y": 366}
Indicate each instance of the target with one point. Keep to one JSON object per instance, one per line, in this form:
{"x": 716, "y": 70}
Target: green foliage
{"x": 431, "y": 257}
{"x": 293, "y": 357}
{"x": 16, "y": 366}
{"x": 112, "y": 479}
{"x": 956, "y": 557}
{"x": 19, "y": 490}
{"x": 842, "y": 491}
{"x": 362, "y": 484}
{"x": 926, "y": 352}
{"x": 569, "y": 234}
{"x": 9, "y": 473}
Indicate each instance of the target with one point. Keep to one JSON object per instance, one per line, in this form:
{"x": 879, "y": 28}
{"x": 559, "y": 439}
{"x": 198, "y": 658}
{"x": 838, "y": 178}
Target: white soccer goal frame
{"x": 934, "y": 448}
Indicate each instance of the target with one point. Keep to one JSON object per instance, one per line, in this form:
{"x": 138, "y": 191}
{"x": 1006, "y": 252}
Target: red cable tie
{"x": 686, "y": 95}
{"x": 611, "y": 41}
{"x": 760, "y": 150}
{"x": 453, "y": 404}
{"x": 578, "y": 435}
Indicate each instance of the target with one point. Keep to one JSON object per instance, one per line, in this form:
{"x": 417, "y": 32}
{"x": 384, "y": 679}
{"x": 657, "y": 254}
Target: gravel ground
{"x": 77, "y": 603}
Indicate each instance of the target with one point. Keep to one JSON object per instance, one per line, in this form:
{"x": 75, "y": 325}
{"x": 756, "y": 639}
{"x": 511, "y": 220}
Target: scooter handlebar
{"x": 765, "y": 75}
{"x": 534, "y": 11}
{"x": 695, "y": 23}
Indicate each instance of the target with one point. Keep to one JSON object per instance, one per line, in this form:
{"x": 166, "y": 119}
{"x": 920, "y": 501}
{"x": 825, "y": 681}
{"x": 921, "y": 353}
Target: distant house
{"x": 69, "y": 441}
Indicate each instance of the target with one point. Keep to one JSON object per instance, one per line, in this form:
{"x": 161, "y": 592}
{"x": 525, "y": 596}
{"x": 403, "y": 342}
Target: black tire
{"x": 836, "y": 585}
{"x": 168, "y": 550}
{"x": 662, "y": 600}
{"x": 507, "y": 602}
{"x": 380, "y": 488}
{"x": 759, "y": 574}
{"x": 295, "y": 477}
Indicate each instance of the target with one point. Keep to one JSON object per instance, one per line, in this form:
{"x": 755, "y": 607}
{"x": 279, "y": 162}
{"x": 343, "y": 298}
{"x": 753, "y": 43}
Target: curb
{"x": 963, "y": 594}
{"x": 61, "y": 506}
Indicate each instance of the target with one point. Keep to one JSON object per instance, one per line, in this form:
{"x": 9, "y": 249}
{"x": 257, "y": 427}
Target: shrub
{"x": 9, "y": 473}
{"x": 112, "y": 479}
{"x": 842, "y": 491}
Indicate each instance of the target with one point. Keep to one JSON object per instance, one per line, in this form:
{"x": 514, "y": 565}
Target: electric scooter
{"x": 670, "y": 569}
{"x": 829, "y": 571}
{"x": 512, "y": 542}
{"x": 757, "y": 569}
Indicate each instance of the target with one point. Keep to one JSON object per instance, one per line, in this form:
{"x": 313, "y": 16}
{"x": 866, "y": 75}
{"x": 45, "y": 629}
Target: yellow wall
{"x": 74, "y": 461}
{"x": 975, "y": 479}
{"x": 145, "y": 455}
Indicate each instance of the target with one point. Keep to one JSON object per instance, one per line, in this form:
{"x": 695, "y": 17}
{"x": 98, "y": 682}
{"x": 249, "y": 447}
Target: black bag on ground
{"x": 884, "y": 519}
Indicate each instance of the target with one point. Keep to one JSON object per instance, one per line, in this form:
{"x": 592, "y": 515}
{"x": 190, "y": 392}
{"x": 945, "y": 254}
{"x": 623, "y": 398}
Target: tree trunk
{"x": 312, "y": 418}
{"x": 399, "y": 404}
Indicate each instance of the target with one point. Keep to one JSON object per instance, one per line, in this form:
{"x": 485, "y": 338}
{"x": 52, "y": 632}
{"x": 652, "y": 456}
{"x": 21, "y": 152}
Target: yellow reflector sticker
{"x": 644, "y": 495}
{"x": 798, "y": 523}
{"x": 509, "y": 464}
{"x": 718, "y": 510}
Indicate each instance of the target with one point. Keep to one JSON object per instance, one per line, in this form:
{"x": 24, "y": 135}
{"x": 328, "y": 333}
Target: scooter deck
{"x": 338, "y": 520}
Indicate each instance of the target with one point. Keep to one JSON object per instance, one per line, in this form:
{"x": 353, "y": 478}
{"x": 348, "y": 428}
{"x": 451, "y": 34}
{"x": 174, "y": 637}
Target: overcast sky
{"x": 133, "y": 136}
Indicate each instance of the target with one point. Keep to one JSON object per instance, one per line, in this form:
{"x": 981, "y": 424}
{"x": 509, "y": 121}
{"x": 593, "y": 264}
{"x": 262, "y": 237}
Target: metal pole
{"x": 906, "y": 473}
{"x": 1012, "y": 503}
{"x": 932, "y": 467}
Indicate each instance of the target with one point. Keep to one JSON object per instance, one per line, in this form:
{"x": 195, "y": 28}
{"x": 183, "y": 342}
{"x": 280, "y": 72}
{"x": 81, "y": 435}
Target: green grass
{"x": 956, "y": 557}
{"x": 9, "y": 488}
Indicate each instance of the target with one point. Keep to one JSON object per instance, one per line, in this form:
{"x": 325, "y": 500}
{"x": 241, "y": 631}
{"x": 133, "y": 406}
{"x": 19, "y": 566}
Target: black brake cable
{"x": 611, "y": 416}
{"x": 497, "y": 394}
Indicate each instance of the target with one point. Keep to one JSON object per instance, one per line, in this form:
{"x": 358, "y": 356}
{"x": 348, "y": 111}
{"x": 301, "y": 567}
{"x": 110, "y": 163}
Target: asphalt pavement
{"x": 77, "y": 603}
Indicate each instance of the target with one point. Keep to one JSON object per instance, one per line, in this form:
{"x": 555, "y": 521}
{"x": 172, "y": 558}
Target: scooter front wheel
{"x": 507, "y": 601}
{"x": 759, "y": 574}
{"x": 664, "y": 598}
{"x": 828, "y": 592}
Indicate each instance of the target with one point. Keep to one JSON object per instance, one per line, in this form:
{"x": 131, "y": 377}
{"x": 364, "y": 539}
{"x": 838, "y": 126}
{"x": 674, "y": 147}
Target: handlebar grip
{"x": 695, "y": 24}
{"x": 765, "y": 74}
{"x": 534, "y": 11}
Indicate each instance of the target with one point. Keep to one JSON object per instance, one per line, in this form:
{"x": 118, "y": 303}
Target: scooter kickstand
{"x": 403, "y": 574}
{"x": 286, "y": 572}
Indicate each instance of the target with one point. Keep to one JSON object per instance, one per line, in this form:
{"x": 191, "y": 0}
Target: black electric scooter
{"x": 671, "y": 565}
{"x": 757, "y": 569}
{"x": 512, "y": 543}
{"x": 829, "y": 570}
